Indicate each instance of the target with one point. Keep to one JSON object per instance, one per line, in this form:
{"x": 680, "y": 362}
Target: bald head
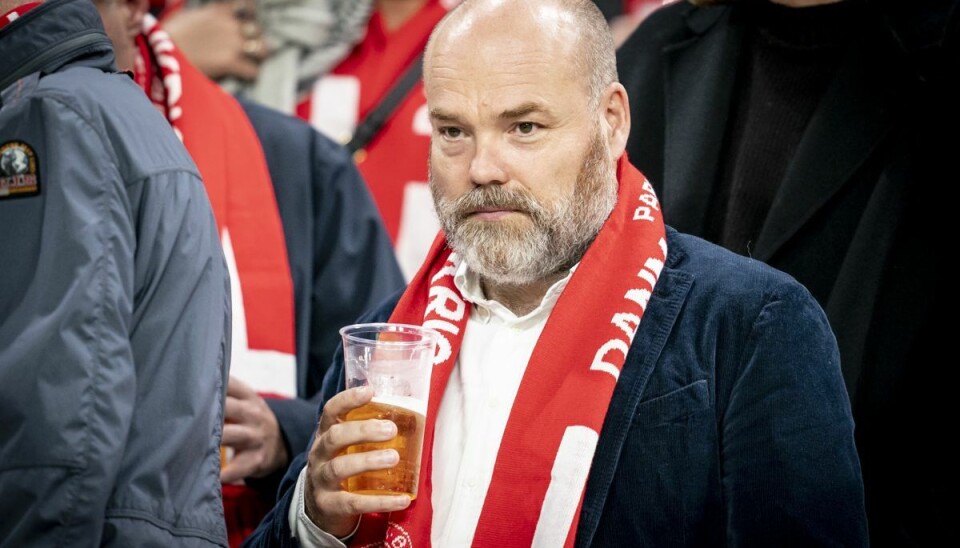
{"x": 574, "y": 31}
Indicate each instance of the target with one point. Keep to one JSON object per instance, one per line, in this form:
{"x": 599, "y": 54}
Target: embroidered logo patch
{"x": 19, "y": 173}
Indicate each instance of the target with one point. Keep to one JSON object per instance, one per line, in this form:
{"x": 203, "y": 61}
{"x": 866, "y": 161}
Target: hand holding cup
{"x": 329, "y": 466}
{"x": 366, "y": 457}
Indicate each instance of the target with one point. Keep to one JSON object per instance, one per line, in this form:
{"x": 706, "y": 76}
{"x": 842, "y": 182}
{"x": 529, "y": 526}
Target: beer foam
{"x": 406, "y": 402}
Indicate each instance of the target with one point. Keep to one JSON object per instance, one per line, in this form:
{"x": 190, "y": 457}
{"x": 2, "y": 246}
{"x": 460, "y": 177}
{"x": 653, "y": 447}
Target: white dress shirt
{"x": 472, "y": 417}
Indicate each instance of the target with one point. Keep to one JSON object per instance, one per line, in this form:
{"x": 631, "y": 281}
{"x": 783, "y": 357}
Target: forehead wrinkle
{"x": 455, "y": 71}
{"x": 490, "y": 64}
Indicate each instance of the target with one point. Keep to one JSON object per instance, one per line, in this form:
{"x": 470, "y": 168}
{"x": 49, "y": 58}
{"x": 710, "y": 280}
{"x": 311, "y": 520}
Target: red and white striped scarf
{"x": 157, "y": 71}
{"x": 550, "y": 438}
{"x": 16, "y": 13}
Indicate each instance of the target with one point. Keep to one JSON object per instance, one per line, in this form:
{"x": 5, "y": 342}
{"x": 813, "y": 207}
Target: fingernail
{"x": 364, "y": 391}
{"x": 402, "y": 502}
{"x": 387, "y": 428}
{"x": 386, "y": 457}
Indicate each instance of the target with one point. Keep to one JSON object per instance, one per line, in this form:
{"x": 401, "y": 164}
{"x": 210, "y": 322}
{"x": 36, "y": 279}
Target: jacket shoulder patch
{"x": 19, "y": 171}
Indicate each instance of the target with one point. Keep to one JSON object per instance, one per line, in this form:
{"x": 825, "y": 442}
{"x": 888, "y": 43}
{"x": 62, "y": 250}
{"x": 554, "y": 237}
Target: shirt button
{"x": 493, "y": 403}
{"x": 472, "y": 483}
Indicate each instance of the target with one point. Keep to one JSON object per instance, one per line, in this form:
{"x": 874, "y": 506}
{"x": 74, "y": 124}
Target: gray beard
{"x": 554, "y": 239}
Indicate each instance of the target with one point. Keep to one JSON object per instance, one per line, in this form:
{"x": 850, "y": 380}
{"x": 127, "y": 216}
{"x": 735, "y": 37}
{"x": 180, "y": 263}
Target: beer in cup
{"x": 395, "y": 360}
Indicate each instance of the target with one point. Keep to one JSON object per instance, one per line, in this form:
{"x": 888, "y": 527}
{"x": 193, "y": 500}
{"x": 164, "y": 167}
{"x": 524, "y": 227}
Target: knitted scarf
{"x": 307, "y": 38}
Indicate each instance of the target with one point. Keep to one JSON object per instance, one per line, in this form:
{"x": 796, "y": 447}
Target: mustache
{"x": 494, "y": 197}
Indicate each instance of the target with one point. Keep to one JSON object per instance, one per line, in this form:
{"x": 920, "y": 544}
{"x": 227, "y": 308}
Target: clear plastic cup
{"x": 396, "y": 361}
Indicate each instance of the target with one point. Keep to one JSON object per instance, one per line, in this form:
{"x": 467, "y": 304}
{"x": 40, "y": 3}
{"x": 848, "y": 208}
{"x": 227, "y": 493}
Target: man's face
{"x": 122, "y": 19}
{"x": 521, "y": 172}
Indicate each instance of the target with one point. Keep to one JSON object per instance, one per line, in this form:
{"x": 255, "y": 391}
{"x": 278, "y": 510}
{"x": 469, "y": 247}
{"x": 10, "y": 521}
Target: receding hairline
{"x": 594, "y": 53}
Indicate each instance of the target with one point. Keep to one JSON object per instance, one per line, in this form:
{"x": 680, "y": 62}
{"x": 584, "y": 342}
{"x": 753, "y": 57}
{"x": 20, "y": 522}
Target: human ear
{"x": 616, "y": 115}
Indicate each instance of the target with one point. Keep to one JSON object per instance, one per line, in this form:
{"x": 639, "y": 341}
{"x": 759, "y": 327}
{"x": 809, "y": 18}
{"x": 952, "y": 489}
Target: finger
{"x": 245, "y": 9}
{"x": 232, "y": 409}
{"x": 243, "y": 465}
{"x": 349, "y": 504}
{"x": 240, "y": 389}
{"x": 224, "y": 8}
{"x": 239, "y": 436}
{"x": 341, "y": 404}
{"x": 331, "y": 475}
{"x": 340, "y": 436}
{"x": 250, "y": 29}
{"x": 255, "y": 49}
{"x": 239, "y": 411}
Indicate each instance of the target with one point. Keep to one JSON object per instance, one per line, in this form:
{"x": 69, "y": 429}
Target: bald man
{"x": 600, "y": 380}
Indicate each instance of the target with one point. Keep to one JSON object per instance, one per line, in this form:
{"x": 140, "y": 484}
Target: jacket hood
{"x": 52, "y": 35}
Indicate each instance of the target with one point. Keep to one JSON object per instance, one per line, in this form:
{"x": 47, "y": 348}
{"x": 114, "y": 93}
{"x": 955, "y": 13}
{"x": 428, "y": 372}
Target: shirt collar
{"x": 467, "y": 282}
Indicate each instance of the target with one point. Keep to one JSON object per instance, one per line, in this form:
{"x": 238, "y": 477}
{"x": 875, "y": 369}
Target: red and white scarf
{"x": 550, "y": 438}
{"x": 16, "y": 13}
{"x": 227, "y": 151}
{"x": 157, "y": 71}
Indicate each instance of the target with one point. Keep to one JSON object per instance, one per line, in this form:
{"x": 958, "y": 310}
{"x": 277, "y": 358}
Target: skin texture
{"x": 511, "y": 110}
{"x": 220, "y": 39}
{"x": 123, "y": 19}
{"x": 253, "y": 433}
{"x": 396, "y": 12}
{"x": 224, "y": 41}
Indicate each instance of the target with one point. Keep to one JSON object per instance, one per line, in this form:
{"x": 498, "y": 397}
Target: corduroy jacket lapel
{"x": 657, "y": 325}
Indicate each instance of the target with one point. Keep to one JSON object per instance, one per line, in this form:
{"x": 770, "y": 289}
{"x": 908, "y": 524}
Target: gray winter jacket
{"x": 114, "y": 303}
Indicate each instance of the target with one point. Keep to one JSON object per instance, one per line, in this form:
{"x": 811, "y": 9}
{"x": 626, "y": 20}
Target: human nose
{"x": 486, "y": 167}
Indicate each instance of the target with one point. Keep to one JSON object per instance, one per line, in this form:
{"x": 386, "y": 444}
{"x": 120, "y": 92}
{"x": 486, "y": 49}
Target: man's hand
{"x": 252, "y": 432}
{"x": 327, "y": 504}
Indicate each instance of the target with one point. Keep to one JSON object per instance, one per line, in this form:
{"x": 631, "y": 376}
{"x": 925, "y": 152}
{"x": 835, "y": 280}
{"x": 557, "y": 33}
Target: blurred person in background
{"x": 115, "y": 304}
{"x": 392, "y": 158}
{"x": 333, "y": 63}
{"x": 223, "y": 38}
{"x": 268, "y": 51}
{"x": 306, "y": 250}
{"x": 625, "y": 15}
{"x": 819, "y": 136}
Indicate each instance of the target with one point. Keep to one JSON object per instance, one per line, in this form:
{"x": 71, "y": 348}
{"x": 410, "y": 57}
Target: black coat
{"x": 861, "y": 218}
